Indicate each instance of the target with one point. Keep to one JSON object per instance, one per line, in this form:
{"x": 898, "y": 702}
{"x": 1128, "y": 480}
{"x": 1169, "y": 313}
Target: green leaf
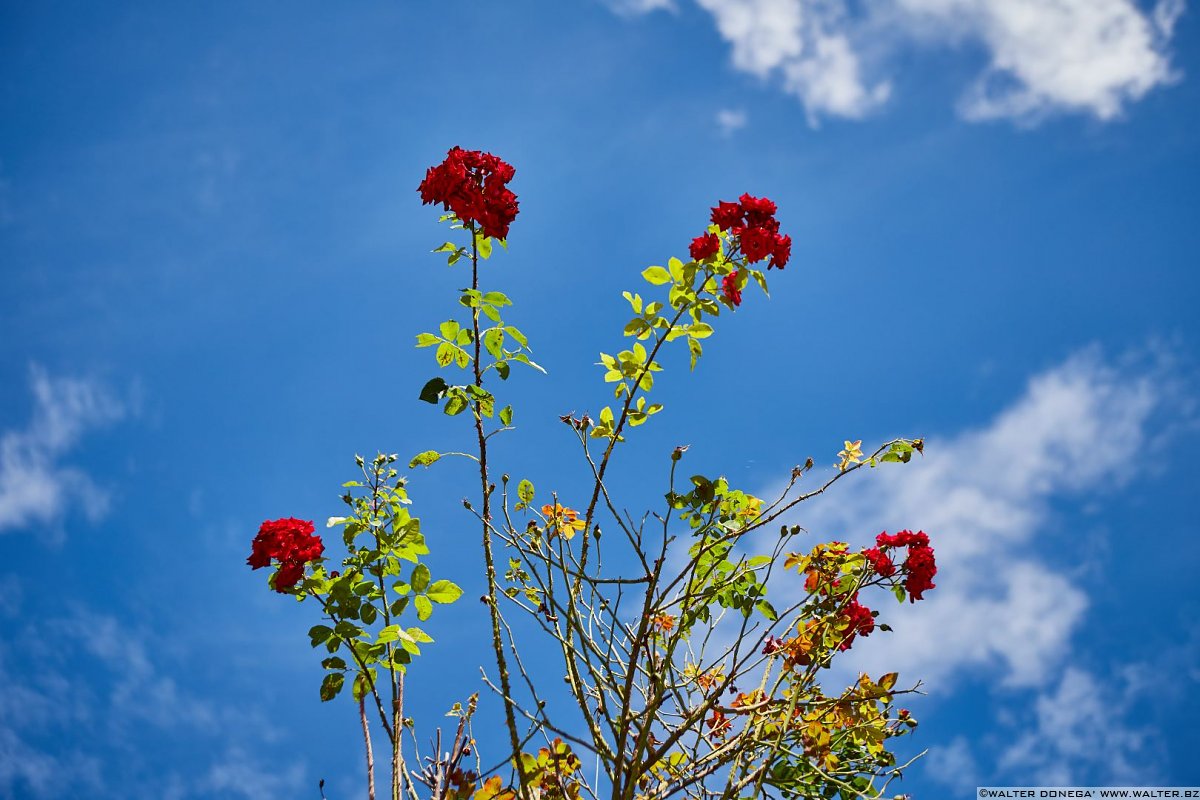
{"x": 331, "y": 686}
{"x": 485, "y": 247}
{"x": 445, "y": 354}
{"x": 420, "y": 578}
{"x": 319, "y": 634}
{"x": 426, "y": 340}
{"x": 493, "y": 342}
{"x": 443, "y": 592}
{"x": 449, "y": 329}
{"x": 498, "y": 299}
{"x": 418, "y": 635}
{"x": 424, "y": 607}
{"x": 656, "y": 276}
{"x": 424, "y": 459}
{"x": 517, "y": 335}
{"x": 767, "y": 610}
{"x": 636, "y": 326}
{"x": 524, "y": 359}
{"x": 389, "y": 634}
{"x": 455, "y": 405}
{"x": 506, "y": 415}
{"x": 525, "y": 492}
{"x": 761, "y": 280}
{"x": 433, "y": 390}
{"x": 470, "y": 298}
{"x": 701, "y": 330}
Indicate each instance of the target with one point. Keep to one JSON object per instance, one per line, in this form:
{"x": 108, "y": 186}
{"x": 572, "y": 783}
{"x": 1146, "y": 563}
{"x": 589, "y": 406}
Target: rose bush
{"x": 653, "y": 643}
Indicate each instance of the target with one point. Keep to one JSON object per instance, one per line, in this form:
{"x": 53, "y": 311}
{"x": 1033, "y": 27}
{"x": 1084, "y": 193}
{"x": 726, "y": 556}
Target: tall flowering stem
{"x": 486, "y": 488}
{"x": 472, "y": 185}
{"x": 364, "y": 601}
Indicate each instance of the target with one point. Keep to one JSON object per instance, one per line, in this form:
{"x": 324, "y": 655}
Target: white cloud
{"x": 1081, "y": 726}
{"x": 983, "y": 496}
{"x": 633, "y": 7}
{"x": 1092, "y": 56}
{"x": 730, "y": 121}
{"x": 953, "y": 765}
{"x": 237, "y": 774}
{"x": 86, "y": 677}
{"x": 1044, "y": 56}
{"x": 806, "y": 44}
{"x": 34, "y": 486}
{"x": 1001, "y": 611}
{"x": 28, "y": 772}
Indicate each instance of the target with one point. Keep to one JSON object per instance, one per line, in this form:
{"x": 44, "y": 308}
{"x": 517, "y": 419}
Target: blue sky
{"x": 213, "y": 260}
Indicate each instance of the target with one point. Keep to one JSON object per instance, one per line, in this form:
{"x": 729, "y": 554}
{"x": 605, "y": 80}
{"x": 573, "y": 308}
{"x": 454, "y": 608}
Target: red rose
{"x": 756, "y": 244}
{"x": 727, "y": 215}
{"x": 902, "y": 539}
{"x": 881, "y": 562}
{"x": 704, "y": 246}
{"x": 729, "y": 286}
{"x": 781, "y": 251}
{"x": 921, "y": 567}
{"x": 289, "y": 541}
{"x": 757, "y": 209}
{"x": 472, "y": 185}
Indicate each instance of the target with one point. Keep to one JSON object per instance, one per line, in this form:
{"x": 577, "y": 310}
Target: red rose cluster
{"x": 861, "y": 622}
{"x": 472, "y": 185}
{"x": 292, "y": 543}
{"x": 752, "y": 220}
{"x": 919, "y": 567}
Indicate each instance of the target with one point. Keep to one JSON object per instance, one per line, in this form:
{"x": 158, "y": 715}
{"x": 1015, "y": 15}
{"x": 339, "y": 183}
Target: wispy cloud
{"x": 1007, "y": 606}
{"x": 86, "y": 680}
{"x": 633, "y": 7}
{"x": 983, "y": 495}
{"x": 953, "y": 765}
{"x": 1081, "y": 726}
{"x": 238, "y": 774}
{"x": 1083, "y": 56}
{"x": 1094, "y": 56}
{"x": 729, "y": 121}
{"x": 803, "y": 43}
{"x": 35, "y": 486}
